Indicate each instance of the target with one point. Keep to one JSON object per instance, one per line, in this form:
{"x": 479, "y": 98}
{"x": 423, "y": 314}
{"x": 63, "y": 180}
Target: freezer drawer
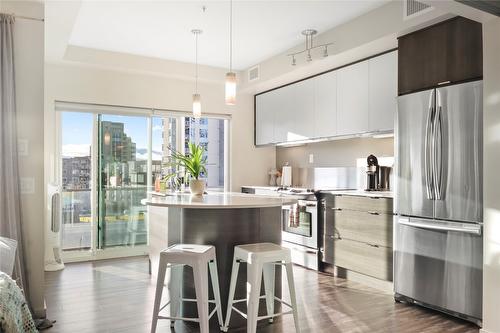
{"x": 439, "y": 263}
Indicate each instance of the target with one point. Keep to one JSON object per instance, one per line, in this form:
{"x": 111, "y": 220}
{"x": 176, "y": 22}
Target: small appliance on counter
{"x": 377, "y": 177}
{"x": 372, "y": 173}
{"x": 286, "y": 175}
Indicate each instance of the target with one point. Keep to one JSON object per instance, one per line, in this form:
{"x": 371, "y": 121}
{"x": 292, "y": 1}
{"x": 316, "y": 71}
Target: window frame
{"x": 96, "y": 253}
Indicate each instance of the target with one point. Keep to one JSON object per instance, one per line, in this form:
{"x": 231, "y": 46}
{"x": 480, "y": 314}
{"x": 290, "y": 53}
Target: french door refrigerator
{"x": 438, "y": 251}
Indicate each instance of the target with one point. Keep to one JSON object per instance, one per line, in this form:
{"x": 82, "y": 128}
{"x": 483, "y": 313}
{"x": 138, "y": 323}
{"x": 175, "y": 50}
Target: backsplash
{"x": 339, "y": 153}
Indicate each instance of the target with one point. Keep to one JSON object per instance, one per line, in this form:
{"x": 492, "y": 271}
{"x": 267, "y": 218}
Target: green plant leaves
{"x": 193, "y": 162}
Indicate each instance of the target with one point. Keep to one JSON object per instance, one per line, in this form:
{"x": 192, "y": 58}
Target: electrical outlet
{"x": 311, "y": 158}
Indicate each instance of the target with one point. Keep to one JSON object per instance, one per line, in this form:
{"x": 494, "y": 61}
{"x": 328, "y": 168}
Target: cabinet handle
{"x": 335, "y": 208}
{"x": 372, "y": 245}
{"x": 373, "y": 213}
{"x": 444, "y": 82}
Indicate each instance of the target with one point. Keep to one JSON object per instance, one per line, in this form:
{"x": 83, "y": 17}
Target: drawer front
{"x": 368, "y": 227}
{"x": 363, "y": 258}
{"x": 372, "y": 204}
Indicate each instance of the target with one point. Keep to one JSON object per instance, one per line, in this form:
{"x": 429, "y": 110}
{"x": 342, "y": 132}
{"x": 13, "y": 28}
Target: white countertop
{"x": 216, "y": 200}
{"x": 362, "y": 193}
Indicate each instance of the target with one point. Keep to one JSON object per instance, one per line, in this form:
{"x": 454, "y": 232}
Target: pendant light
{"x": 196, "y": 95}
{"x": 230, "y": 76}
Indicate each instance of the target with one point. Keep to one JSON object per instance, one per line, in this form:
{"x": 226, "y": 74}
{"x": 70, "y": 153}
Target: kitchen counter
{"x": 223, "y": 220}
{"x": 362, "y": 193}
{"x": 215, "y": 201}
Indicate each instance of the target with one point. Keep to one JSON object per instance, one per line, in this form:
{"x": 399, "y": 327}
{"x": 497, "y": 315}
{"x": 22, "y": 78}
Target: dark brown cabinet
{"x": 448, "y": 52}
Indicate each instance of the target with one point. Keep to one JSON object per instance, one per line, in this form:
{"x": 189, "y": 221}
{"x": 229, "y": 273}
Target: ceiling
{"x": 161, "y": 29}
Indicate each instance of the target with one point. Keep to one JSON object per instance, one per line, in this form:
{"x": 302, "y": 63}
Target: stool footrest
{"x": 179, "y": 318}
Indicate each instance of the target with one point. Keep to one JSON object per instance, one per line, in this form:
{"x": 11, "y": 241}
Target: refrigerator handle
{"x": 438, "y": 141}
{"x": 468, "y": 228}
{"x": 428, "y": 155}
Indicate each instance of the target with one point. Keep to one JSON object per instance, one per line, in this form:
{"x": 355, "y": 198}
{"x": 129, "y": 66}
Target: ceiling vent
{"x": 253, "y": 73}
{"x": 413, "y": 8}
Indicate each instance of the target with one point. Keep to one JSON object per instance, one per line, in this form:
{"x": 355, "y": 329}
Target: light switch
{"x": 311, "y": 158}
{"x": 22, "y": 147}
{"x": 27, "y": 185}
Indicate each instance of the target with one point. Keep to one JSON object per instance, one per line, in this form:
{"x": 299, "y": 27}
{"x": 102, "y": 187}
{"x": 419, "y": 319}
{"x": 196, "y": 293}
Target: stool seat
{"x": 261, "y": 259}
{"x": 264, "y": 252}
{"x": 202, "y": 259}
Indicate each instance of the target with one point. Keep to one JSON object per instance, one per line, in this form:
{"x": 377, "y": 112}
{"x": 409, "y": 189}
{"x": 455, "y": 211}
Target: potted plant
{"x": 194, "y": 165}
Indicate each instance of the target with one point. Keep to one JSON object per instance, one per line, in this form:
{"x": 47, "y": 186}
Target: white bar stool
{"x": 199, "y": 257}
{"x": 261, "y": 258}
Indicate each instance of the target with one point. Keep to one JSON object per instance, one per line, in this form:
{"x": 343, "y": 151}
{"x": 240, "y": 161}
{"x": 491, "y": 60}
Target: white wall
{"x": 28, "y": 58}
{"x": 96, "y": 84}
{"x": 491, "y": 266}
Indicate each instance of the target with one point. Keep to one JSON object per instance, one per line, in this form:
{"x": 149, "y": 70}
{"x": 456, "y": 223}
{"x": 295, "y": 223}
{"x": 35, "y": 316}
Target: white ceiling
{"x": 161, "y": 29}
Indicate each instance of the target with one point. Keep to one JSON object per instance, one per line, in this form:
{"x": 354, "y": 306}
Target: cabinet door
{"x": 303, "y": 109}
{"x": 325, "y": 105}
{"x": 422, "y": 59}
{"x": 284, "y": 119}
{"x": 352, "y": 99}
{"x": 264, "y": 118}
{"x": 383, "y": 91}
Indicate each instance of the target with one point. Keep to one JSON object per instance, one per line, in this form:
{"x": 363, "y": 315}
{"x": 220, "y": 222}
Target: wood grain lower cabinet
{"x": 363, "y": 226}
{"x": 364, "y": 258}
{"x": 357, "y": 235}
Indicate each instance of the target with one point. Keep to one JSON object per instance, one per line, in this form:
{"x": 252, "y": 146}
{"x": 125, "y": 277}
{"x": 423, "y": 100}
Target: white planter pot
{"x": 197, "y": 186}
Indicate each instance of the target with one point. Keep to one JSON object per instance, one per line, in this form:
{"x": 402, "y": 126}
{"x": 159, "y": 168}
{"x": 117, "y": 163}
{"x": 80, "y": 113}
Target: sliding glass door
{"x": 110, "y": 160}
{"x": 123, "y": 174}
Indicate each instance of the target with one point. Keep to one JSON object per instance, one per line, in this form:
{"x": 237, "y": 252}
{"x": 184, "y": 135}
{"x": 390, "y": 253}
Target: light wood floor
{"x": 117, "y": 296}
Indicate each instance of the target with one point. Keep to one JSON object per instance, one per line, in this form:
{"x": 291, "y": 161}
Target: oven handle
{"x": 473, "y": 229}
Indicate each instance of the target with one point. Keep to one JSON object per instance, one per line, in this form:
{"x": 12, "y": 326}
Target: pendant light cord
{"x": 196, "y": 62}
{"x": 230, "y": 35}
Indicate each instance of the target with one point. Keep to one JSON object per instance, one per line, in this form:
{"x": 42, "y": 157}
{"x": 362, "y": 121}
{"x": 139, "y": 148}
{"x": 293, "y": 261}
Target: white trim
{"x": 109, "y": 253}
{"x": 64, "y": 106}
{"x": 227, "y": 163}
{"x": 94, "y": 181}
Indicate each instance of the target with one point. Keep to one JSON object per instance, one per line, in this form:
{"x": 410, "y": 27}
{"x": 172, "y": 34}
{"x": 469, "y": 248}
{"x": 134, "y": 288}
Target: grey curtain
{"x": 10, "y": 212}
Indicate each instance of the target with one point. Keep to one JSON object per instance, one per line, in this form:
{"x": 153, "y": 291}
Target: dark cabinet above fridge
{"x": 447, "y": 52}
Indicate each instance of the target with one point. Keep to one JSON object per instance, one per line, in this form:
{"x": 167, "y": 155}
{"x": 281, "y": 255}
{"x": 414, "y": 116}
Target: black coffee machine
{"x": 372, "y": 173}
{"x": 377, "y": 177}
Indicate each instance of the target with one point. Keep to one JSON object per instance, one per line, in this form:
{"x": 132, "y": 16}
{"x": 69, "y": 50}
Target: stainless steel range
{"x": 300, "y": 226}
{"x": 300, "y": 222}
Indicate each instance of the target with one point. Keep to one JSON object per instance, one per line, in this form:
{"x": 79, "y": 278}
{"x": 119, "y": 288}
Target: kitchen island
{"x": 219, "y": 219}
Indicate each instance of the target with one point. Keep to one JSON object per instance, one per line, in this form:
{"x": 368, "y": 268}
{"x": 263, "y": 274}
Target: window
{"x": 109, "y": 160}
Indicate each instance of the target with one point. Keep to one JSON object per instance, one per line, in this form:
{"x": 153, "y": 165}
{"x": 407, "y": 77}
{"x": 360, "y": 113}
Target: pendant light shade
{"x": 196, "y": 105}
{"x": 230, "y": 76}
{"x": 230, "y": 88}
{"x": 196, "y": 95}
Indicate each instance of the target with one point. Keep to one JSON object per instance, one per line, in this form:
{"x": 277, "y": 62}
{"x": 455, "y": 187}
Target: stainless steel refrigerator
{"x": 438, "y": 251}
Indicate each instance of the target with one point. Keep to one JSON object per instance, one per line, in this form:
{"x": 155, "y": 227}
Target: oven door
{"x": 300, "y": 223}
{"x": 439, "y": 263}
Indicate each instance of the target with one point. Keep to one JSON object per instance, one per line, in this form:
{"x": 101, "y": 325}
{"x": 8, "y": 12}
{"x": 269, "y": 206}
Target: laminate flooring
{"x": 117, "y": 296}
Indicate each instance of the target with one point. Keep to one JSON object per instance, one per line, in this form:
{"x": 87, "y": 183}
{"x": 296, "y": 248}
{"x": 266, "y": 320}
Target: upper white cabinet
{"x": 355, "y": 99}
{"x": 265, "y": 106}
{"x": 383, "y": 91}
{"x": 352, "y": 99}
{"x": 303, "y": 111}
{"x": 325, "y": 105}
{"x": 284, "y": 113}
